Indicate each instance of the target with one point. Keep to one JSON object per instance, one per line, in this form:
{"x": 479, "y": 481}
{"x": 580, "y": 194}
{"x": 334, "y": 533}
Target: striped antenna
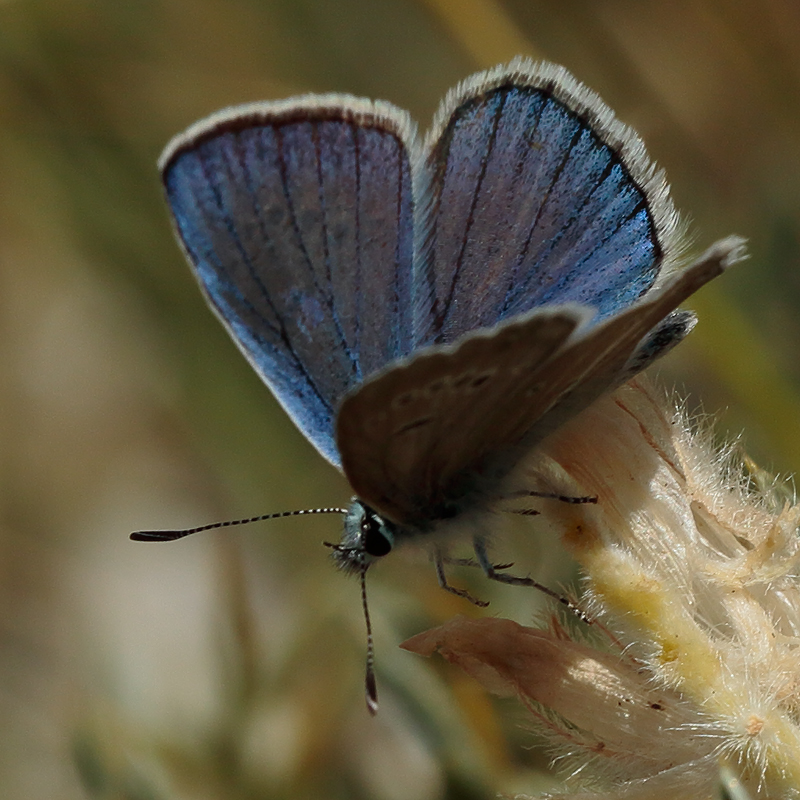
{"x": 171, "y": 536}
{"x": 370, "y": 684}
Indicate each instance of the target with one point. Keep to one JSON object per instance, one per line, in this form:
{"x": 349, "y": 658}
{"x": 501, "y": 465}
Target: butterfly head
{"x": 367, "y": 537}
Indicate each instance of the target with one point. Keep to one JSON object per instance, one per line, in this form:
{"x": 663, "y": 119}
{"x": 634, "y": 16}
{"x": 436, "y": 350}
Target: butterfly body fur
{"x": 428, "y": 311}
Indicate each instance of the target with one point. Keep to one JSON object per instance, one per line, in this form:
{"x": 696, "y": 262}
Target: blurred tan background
{"x": 230, "y": 665}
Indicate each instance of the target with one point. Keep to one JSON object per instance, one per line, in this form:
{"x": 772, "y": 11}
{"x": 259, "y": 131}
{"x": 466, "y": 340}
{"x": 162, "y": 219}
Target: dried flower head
{"x": 691, "y": 565}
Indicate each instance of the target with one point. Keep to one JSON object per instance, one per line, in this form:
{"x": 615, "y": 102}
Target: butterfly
{"x": 428, "y": 309}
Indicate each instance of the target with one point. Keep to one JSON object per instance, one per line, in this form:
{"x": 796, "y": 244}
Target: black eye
{"x": 375, "y": 542}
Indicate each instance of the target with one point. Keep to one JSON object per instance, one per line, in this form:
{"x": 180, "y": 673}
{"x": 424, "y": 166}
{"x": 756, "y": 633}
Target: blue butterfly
{"x": 428, "y": 310}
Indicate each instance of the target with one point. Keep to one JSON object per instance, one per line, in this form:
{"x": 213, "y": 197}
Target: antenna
{"x": 370, "y": 684}
{"x": 171, "y": 536}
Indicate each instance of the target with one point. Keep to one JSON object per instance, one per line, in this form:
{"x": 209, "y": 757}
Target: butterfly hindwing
{"x": 297, "y": 220}
{"x": 411, "y": 432}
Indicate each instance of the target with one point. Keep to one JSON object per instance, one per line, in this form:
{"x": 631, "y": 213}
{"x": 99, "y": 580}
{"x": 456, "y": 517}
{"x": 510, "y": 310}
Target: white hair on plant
{"x": 691, "y": 561}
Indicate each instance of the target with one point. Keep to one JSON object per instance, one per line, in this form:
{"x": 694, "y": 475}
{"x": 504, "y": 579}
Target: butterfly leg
{"x": 479, "y": 545}
{"x": 470, "y": 562}
{"x": 439, "y": 560}
{"x": 562, "y": 498}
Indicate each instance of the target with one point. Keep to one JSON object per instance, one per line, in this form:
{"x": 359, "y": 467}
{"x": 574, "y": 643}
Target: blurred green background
{"x": 231, "y": 665}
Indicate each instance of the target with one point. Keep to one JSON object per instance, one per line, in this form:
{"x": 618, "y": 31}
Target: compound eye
{"x": 375, "y": 540}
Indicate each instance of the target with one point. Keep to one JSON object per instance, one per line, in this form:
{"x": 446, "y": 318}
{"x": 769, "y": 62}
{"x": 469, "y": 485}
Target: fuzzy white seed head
{"x": 691, "y": 567}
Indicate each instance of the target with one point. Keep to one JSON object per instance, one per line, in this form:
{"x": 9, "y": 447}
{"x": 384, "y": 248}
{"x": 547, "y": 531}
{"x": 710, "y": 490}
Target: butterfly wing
{"x": 538, "y": 199}
{"x": 297, "y": 219}
{"x": 429, "y": 438}
{"x": 538, "y": 195}
{"x": 413, "y": 437}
